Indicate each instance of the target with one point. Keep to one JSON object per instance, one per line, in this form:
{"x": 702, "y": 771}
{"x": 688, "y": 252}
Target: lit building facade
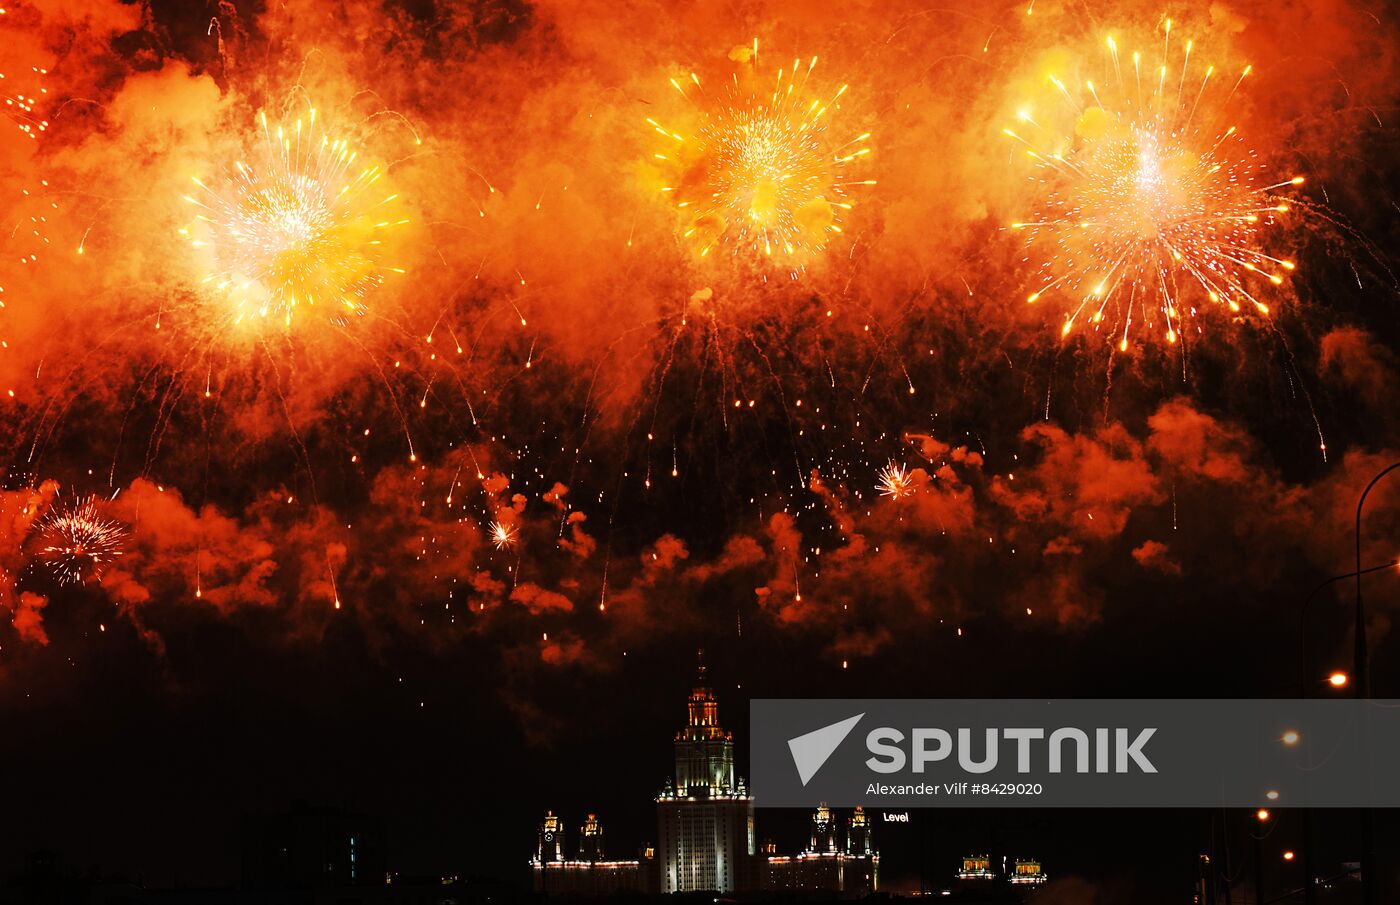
{"x": 705, "y": 833}
{"x": 977, "y": 867}
{"x": 1026, "y": 872}
{"x": 589, "y": 874}
{"x": 826, "y": 865}
{"x": 977, "y": 870}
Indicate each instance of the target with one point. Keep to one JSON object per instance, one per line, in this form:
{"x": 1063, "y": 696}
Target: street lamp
{"x": 1335, "y": 680}
{"x": 1370, "y": 876}
{"x": 1264, "y": 816}
{"x": 1303, "y": 660}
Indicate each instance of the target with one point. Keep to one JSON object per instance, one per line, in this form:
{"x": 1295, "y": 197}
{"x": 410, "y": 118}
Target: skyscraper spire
{"x": 702, "y": 710}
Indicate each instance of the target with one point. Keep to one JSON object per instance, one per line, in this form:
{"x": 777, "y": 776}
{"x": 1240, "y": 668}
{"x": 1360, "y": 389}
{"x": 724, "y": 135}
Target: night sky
{"x": 438, "y": 543}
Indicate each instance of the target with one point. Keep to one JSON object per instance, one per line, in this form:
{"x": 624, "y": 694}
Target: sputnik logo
{"x": 812, "y": 750}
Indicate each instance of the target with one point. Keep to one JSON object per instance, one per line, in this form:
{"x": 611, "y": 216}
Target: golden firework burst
{"x": 1151, "y": 205}
{"x": 761, "y": 173}
{"x": 303, "y": 225}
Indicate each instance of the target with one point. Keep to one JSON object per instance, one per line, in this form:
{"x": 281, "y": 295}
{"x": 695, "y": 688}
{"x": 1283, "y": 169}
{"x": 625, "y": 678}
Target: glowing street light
{"x": 1338, "y": 679}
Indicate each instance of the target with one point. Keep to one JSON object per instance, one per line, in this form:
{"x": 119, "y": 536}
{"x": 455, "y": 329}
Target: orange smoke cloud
{"x": 672, "y": 450}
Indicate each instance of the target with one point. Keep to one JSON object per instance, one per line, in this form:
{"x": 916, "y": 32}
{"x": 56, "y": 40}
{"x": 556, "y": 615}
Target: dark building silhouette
{"x": 312, "y": 848}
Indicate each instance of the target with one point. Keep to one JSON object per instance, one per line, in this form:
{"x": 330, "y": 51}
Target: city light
{"x": 1263, "y": 815}
{"x": 1290, "y": 738}
{"x": 1338, "y": 680}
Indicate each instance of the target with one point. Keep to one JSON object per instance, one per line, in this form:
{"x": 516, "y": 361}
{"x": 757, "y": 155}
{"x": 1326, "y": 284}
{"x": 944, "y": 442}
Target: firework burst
{"x": 503, "y": 535}
{"x": 896, "y": 482}
{"x": 1152, "y": 205}
{"x": 76, "y": 540}
{"x": 761, "y": 174}
{"x": 303, "y": 225}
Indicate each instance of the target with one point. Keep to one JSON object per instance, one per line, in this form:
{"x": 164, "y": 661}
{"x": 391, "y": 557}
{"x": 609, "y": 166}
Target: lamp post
{"x": 1335, "y": 680}
{"x": 1361, "y": 674}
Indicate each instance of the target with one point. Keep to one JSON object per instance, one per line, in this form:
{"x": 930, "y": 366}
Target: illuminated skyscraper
{"x": 704, "y": 814}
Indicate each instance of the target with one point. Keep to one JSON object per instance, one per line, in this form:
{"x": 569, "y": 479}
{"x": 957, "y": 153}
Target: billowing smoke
{"x": 561, "y": 427}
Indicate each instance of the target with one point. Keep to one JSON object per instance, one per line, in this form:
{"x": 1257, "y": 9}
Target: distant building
{"x": 549, "y": 846}
{"x": 978, "y": 873}
{"x": 705, "y": 832}
{"x": 590, "y": 874}
{"x": 312, "y": 848}
{"x": 590, "y": 840}
{"x": 824, "y": 865}
{"x": 976, "y": 868}
{"x": 1026, "y": 871}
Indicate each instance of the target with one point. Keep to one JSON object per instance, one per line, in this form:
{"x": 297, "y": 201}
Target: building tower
{"x": 550, "y": 844}
{"x": 705, "y": 815}
{"x": 590, "y": 840}
{"x": 823, "y": 831}
{"x": 858, "y": 841}
{"x": 704, "y": 751}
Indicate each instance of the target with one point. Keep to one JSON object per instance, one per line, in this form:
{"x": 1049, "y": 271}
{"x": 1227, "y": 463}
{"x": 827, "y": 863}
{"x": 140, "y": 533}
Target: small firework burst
{"x": 503, "y": 535}
{"x": 896, "y": 481}
{"x": 761, "y": 174}
{"x": 76, "y": 540}
{"x": 303, "y": 225}
{"x": 1152, "y": 205}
